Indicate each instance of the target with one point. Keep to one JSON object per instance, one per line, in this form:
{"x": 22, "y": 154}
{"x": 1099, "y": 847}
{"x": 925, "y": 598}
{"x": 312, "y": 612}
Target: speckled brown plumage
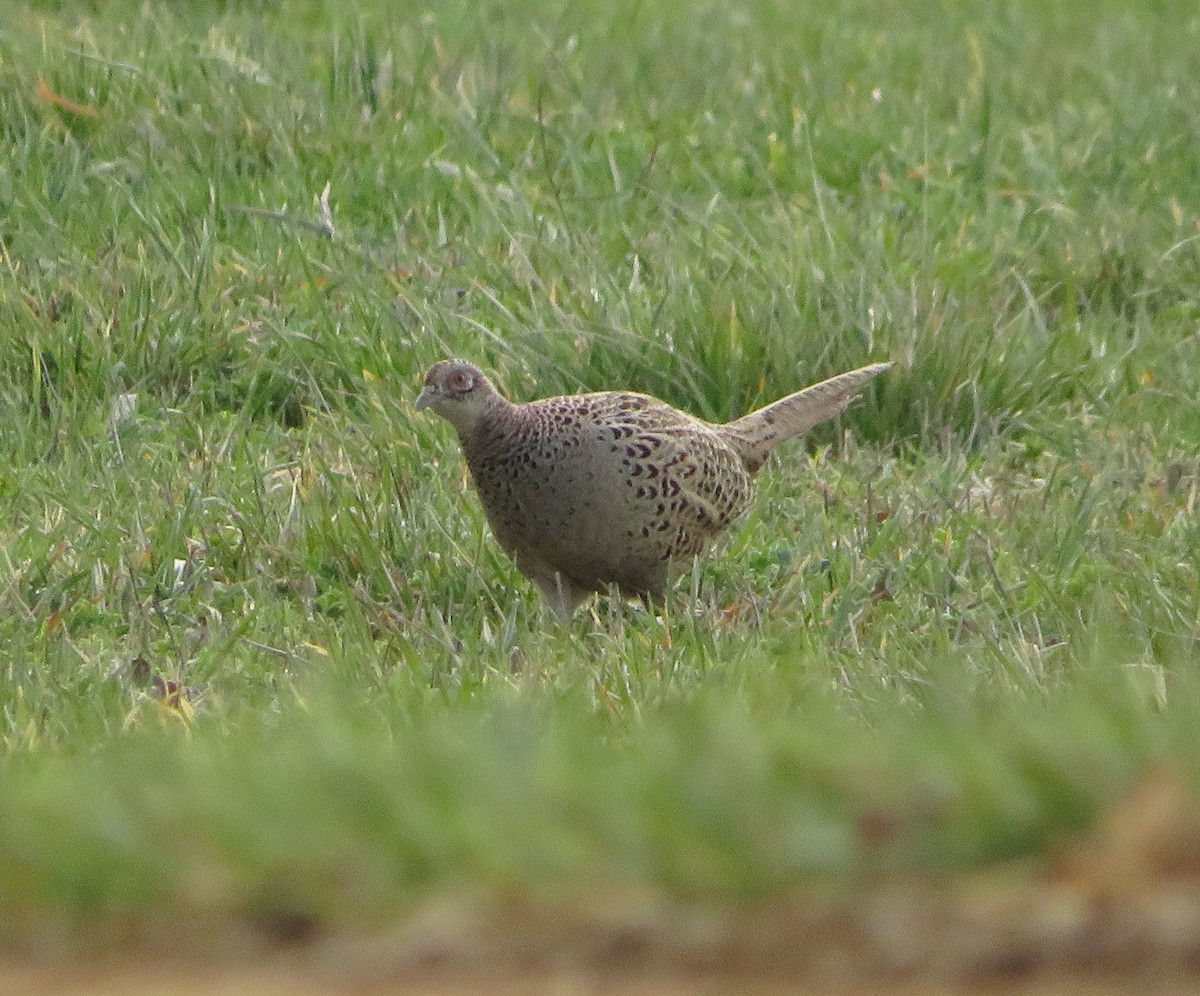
{"x": 592, "y": 490}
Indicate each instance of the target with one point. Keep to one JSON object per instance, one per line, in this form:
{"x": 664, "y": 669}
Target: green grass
{"x": 968, "y": 612}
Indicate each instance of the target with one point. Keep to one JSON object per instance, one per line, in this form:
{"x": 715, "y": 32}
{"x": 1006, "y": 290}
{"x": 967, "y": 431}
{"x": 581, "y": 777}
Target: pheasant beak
{"x": 426, "y": 398}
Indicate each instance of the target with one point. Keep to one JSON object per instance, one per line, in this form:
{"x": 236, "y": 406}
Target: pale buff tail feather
{"x": 756, "y": 435}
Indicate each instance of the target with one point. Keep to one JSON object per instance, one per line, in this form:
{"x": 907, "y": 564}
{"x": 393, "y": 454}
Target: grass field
{"x": 262, "y": 663}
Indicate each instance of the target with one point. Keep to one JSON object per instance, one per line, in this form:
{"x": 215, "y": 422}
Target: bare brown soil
{"x": 1116, "y": 912}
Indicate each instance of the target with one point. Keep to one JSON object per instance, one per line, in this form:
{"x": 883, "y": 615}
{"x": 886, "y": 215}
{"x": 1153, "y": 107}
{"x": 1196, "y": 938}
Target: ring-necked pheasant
{"x": 591, "y": 490}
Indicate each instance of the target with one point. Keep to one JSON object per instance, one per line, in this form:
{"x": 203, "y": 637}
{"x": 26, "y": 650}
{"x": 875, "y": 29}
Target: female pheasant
{"x": 591, "y": 490}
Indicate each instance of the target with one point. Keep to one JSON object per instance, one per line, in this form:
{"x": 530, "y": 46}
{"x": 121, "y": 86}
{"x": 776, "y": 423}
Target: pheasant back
{"x": 604, "y": 489}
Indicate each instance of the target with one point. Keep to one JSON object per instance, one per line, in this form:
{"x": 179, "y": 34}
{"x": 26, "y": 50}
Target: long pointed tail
{"x": 754, "y": 436}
